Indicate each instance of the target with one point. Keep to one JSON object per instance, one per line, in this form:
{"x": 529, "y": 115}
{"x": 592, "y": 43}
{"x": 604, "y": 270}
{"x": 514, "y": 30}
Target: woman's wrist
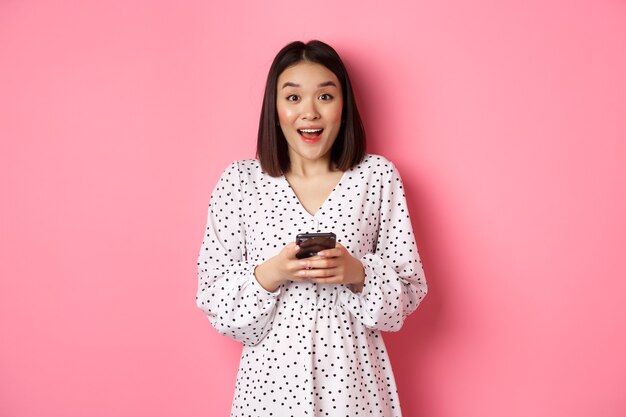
{"x": 264, "y": 278}
{"x": 357, "y": 286}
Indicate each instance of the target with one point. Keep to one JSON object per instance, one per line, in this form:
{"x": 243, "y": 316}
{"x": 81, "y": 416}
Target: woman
{"x": 310, "y": 327}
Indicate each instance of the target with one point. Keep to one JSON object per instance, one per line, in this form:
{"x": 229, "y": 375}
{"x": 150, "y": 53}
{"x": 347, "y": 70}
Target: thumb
{"x": 292, "y": 249}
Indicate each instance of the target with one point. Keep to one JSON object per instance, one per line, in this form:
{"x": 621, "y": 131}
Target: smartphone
{"x": 311, "y": 243}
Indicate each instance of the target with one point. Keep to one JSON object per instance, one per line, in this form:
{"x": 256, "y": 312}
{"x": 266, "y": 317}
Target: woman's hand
{"x": 280, "y": 268}
{"x": 333, "y": 266}
{"x": 330, "y": 266}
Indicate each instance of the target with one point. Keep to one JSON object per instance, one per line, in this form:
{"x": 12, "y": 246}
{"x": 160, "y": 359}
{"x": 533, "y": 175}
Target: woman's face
{"x": 309, "y": 102}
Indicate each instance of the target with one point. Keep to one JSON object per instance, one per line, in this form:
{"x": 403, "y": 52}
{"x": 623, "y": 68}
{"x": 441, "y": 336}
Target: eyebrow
{"x": 324, "y": 84}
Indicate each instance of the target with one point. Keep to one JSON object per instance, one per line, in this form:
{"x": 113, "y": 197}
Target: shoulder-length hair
{"x": 272, "y": 149}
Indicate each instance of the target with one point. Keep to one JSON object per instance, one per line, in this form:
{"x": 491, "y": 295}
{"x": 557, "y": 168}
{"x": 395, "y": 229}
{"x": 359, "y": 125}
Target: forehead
{"x": 307, "y": 74}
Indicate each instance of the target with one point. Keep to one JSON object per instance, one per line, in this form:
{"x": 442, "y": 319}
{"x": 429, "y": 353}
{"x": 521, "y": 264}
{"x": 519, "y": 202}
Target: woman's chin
{"x": 310, "y": 151}
{"x": 320, "y": 152}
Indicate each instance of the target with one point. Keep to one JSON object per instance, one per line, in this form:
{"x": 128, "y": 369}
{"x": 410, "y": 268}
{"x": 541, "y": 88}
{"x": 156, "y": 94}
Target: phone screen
{"x": 312, "y": 243}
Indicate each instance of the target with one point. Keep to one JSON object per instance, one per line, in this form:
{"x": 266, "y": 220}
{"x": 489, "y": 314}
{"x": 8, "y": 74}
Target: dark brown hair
{"x": 272, "y": 149}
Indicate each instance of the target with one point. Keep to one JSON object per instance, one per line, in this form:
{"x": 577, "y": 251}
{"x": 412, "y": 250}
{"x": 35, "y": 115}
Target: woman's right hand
{"x": 280, "y": 268}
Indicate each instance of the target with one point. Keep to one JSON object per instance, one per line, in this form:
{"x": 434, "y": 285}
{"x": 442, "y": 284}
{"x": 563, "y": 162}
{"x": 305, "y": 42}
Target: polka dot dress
{"x": 310, "y": 349}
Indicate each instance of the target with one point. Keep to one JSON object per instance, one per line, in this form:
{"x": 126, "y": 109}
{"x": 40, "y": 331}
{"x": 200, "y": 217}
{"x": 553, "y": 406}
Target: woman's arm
{"x": 228, "y": 292}
{"x": 394, "y": 282}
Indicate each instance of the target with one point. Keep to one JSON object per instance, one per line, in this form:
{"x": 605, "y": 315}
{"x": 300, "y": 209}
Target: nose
{"x": 309, "y": 110}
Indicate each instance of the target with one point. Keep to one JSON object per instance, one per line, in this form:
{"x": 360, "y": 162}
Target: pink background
{"x": 507, "y": 121}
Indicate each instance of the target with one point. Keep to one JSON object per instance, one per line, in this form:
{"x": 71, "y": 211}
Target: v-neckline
{"x": 324, "y": 203}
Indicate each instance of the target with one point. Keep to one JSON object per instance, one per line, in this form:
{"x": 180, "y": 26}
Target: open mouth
{"x": 310, "y": 133}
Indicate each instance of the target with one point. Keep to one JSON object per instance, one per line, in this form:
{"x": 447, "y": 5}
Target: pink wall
{"x": 507, "y": 122}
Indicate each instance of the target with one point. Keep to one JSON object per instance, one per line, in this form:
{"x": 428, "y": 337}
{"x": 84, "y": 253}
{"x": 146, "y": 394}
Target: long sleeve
{"x": 228, "y": 293}
{"x": 394, "y": 279}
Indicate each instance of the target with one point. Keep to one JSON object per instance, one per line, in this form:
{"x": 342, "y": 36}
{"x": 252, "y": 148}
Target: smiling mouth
{"x": 310, "y": 133}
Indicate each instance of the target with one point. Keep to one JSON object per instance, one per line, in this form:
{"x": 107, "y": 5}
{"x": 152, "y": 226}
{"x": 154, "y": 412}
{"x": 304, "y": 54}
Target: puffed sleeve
{"x": 394, "y": 279}
{"x": 228, "y": 293}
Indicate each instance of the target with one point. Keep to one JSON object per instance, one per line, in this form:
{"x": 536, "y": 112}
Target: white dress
{"x": 310, "y": 349}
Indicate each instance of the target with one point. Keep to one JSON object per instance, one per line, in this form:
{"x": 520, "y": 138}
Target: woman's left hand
{"x": 334, "y": 266}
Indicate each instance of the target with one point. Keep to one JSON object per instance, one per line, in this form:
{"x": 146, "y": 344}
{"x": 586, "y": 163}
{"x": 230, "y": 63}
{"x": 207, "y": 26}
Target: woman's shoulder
{"x": 376, "y": 159}
{"x": 376, "y": 164}
{"x": 244, "y": 166}
{"x": 246, "y": 172}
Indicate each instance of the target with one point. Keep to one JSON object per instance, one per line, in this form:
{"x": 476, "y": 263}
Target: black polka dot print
{"x": 310, "y": 349}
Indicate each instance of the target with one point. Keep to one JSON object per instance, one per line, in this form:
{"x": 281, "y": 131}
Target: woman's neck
{"x": 301, "y": 167}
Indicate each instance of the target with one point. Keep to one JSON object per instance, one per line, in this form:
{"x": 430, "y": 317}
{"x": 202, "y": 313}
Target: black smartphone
{"x": 311, "y": 243}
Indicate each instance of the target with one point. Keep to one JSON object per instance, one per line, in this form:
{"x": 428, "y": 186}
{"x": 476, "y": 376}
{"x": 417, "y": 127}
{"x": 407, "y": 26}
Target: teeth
{"x": 310, "y": 130}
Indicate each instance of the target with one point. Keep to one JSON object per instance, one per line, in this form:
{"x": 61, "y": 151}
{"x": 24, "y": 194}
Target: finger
{"x": 292, "y": 250}
{"x": 327, "y": 280}
{"x": 298, "y": 279}
{"x": 324, "y": 263}
{"x": 319, "y": 263}
{"x": 317, "y": 273}
{"x": 330, "y": 253}
{"x": 307, "y": 263}
{"x": 296, "y": 265}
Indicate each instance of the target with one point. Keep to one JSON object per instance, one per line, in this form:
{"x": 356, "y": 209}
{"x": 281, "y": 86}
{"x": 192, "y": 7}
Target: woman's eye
{"x": 292, "y": 97}
{"x": 326, "y": 96}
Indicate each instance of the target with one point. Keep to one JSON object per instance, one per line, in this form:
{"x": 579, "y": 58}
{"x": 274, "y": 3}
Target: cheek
{"x": 285, "y": 115}
{"x": 334, "y": 113}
